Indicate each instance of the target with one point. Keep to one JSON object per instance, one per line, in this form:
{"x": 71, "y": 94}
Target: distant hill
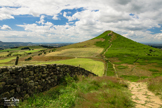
{"x": 4, "y": 45}
{"x": 155, "y": 45}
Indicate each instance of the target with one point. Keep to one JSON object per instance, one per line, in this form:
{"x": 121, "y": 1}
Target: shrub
{"x": 28, "y": 59}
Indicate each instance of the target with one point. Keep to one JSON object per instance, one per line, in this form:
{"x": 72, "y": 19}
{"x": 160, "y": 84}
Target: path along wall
{"x": 22, "y": 82}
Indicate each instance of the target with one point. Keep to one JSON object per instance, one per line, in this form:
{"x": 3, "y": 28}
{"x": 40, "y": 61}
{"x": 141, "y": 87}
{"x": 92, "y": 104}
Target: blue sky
{"x": 29, "y": 19}
{"x": 76, "y": 21}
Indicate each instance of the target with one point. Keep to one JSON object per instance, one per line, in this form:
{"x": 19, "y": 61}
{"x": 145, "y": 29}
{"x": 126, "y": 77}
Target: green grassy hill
{"x": 131, "y": 59}
{"x": 128, "y": 51}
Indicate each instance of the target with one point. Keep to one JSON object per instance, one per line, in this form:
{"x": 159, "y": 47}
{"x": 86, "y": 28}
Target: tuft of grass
{"x": 122, "y": 67}
{"x": 153, "y": 70}
{"x": 83, "y": 92}
{"x": 155, "y": 85}
{"x": 157, "y": 74}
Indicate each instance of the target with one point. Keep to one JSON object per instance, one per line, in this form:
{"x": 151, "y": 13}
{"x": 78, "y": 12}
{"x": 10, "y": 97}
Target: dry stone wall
{"x": 22, "y": 82}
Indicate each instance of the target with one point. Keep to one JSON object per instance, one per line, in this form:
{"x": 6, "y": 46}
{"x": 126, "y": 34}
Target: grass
{"x": 85, "y": 44}
{"x": 110, "y": 70}
{"x": 128, "y": 51}
{"x": 18, "y": 52}
{"x": 155, "y": 85}
{"x": 122, "y": 67}
{"x": 91, "y": 92}
{"x": 133, "y": 78}
{"x": 7, "y": 59}
{"x": 77, "y": 52}
{"x": 153, "y": 70}
{"x": 104, "y": 44}
{"x": 48, "y": 58}
{"x": 118, "y": 63}
{"x": 4, "y": 53}
{"x": 157, "y": 74}
{"x": 96, "y": 67}
{"x": 9, "y": 49}
{"x": 102, "y": 35}
{"x": 35, "y": 50}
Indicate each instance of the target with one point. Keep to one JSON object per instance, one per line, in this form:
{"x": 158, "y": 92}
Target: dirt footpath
{"x": 143, "y": 97}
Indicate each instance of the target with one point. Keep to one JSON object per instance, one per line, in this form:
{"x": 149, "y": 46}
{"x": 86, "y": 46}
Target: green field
{"x": 35, "y": 50}
{"x": 18, "y": 52}
{"x": 78, "y": 52}
{"x": 96, "y": 67}
{"x": 9, "y": 49}
{"x": 3, "y": 53}
{"x": 7, "y": 59}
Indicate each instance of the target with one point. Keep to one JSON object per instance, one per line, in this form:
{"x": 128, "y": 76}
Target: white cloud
{"x": 64, "y": 14}
{"x": 111, "y": 14}
{"x": 49, "y": 24}
{"x": 41, "y": 20}
{"x": 6, "y": 27}
{"x": 6, "y": 16}
{"x": 55, "y": 17}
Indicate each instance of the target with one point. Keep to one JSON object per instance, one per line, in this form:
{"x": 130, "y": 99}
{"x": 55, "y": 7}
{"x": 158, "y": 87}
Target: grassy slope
{"x": 85, "y": 44}
{"x": 129, "y": 51}
{"x": 77, "y": 52}
{"x": 92, "y": 92}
